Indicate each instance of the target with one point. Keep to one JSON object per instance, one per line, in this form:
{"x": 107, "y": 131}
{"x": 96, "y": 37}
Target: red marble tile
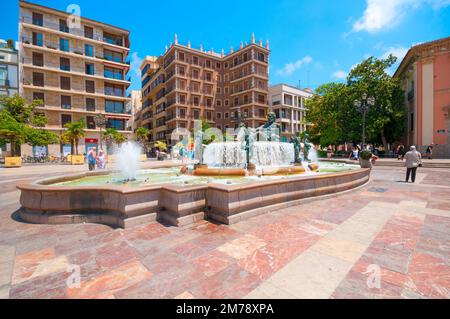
{"x": 164, "y": 262}
{"x": 147, "y": 232}
{"x": 115, "y": 254}
{"x": 231, "y": 283}
{"x": 271, "y": 232}
{"x": 111, "y": 282}
{"x": 429, "y": 276}
{"x": 213, "y": 262}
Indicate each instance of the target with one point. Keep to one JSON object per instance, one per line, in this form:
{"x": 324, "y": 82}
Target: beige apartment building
{"x": 186, "y": 84}
{"x": 78, "y": 70}
{"x": 289, "y": 105}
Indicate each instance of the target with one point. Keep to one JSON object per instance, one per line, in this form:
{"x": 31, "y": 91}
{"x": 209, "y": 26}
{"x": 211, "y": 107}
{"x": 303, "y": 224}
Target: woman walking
{"x": 101, "y": 160}
{"x": 413, "y": 160}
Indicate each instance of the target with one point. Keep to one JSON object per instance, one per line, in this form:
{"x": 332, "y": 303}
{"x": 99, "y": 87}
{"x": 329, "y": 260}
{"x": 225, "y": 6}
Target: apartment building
{"x": 133, "y": 107}
{"x": 288, "y": 103}
{"x": 186, "y": 84}
{"x": 425, "y": 77}
{"x": 9, "y": 74}
{"x": 78, "y": 70}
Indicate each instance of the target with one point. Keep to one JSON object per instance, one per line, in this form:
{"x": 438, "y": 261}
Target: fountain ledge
{"x": 120, "y": 206}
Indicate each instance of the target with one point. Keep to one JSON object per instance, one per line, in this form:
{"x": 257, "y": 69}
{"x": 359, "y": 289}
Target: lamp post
{"x": 100, "y": 121}
{"x": 363, "y": 106}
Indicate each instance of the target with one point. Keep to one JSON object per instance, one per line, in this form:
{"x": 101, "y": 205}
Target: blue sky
{"x": 312, "y": 41}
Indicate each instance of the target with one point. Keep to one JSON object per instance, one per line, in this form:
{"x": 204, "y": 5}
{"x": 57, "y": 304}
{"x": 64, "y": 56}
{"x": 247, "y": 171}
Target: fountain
{"x": 232, "y": 181}
{"x": 127, "y": 160}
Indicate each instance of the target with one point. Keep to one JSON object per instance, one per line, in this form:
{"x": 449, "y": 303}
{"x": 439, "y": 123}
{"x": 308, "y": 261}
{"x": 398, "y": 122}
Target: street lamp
{"x": 363, "y": 106}
{"x": 100, "y": 121}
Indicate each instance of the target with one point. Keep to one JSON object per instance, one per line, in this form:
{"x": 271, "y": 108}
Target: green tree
{"x": 387, "y": 118}
{"x": 142, "y": 136}
{"x": 11, "y": 131}
{"x": 162, "y": 146}
{"x": 17, "y": 113}
{"x": 74, "y": 131}
{"x": 108, "y": 135}
{"x": 334, "y": 118}
{"x": 119, "y": 138}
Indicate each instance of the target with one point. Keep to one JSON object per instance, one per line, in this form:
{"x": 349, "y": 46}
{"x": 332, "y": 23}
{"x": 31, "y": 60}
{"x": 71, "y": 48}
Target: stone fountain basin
{"x": 122, "y": 206}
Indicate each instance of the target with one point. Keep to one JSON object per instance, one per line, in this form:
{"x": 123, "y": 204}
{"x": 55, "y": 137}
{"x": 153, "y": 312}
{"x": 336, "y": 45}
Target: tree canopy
{"x": 334, "y": 118}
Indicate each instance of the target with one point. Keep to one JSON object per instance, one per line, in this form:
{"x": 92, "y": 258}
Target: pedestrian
{"x": 429, "y": 152}
{"x": 101, "y": 160}
{"x": 329, "y": 152}
{"x": 92, "y": 158}
{"x": 401, "y": 151}
{"x": 413, "y": 160}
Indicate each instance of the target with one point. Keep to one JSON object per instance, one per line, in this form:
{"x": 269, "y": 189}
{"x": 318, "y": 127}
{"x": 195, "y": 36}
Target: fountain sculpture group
{"x": 256, "y": 151}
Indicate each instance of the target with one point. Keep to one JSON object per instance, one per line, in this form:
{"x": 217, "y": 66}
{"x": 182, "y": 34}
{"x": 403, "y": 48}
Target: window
{"x": 196, "y": 101}
{"x": 112, "y": 56}
{"x": 39, "y": 96}
{"x": 88, "y": 50}
{"x": 208, "y": 64}
{"x": 226, "y": 102}
{"x": 113, "y": 106}
{"x": 113, "y": 73}
{"x": 218, "y": 115}
{"x": 64, "y": 64}
{"x": 261, "y": 57}
{"x": 115, "y": 90}
{"x": 38, "y": 19}
{"x": 195, "y": 60}
{"x": 66, "y": 102}
{"x": 218, "y": 90}
{"x": 226, "y": 65}
{"x": 209, "y": 102}
{"x": 38, "y": 59}
{"x": 65, "y": 118}
{"x": 195, "y": 74}
{"x": 37, "y": 39}
{"x": 90, "y": 123}
{"x": 217, "y": 65}
{"x": 64, "y": 44}
{"x": 196, "y": 114}
{"x": 90, "y": 86}
{"x": 88, "y": 32}
{"x": 90, "y": 68}
{"x": 112, "y": 39}
{"x": 38, "y": 79}
{"x": 64, "y": 83}
{"x": 226, "y": 115}
{"x": 181, "y": 56}
{"x": 63, "y": 27}
{"x": 208, "y": 76}
{"x": 116, "y": 124}
{"x": 90, "y": 104}
{"x": 219, "y": 103}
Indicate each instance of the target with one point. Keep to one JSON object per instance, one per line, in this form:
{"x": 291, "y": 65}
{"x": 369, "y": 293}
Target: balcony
{"x": 77, "y": 32}
{"x": 46, "y": 45}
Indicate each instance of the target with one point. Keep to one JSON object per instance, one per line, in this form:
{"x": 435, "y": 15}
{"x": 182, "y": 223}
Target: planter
{"x": 77, "y": 159}
{"x": 365, "y": 163}
{"x": 13, "y": 162}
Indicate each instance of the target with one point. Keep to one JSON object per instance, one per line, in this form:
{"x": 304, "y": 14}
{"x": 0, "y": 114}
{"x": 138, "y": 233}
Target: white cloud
{"x": 290, "y": 68}
{"x": 341, "y": 75}
{"x": 398, "y": 52}
{"x": 135, "y": 64}
{"x": 382, "y": 14}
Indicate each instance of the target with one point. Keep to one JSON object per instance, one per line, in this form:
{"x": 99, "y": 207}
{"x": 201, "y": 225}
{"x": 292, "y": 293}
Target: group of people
{"x": 95, "y": 159}
{"x": 399, "y": 152}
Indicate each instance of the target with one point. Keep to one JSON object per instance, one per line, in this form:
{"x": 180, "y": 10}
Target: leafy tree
{"x": 335, "y": 119}
{"x": 11, "y": 130}
{"x": 119, "y": 138}
{"x": 162, "y": 146}
{"x": 74, "y": 131}
{"x": 108, "y": 135}
{"x": 21, "y": 122}
{"x": 141, "y": 136}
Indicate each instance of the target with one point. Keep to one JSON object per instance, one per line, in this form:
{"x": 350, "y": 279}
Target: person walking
{"x": 413, "y": 160}
{"x": 92, "y": 158}
{"x": 429, "y": 152}
{"x": 401, "y": 153}
{"x": 101, "y": 160}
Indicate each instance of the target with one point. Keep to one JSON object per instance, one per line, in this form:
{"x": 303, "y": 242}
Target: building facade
{"x": 133, "y": 107}
{"x": 78, "y": 68}
{"x": 425, "y": 77}
{"x": 186, "y": 84}
{"x": 9, "y": 69}
{"x": 288, "y": 104}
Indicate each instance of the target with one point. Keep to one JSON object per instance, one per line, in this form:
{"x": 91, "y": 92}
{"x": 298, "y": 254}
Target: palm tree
{"x": 74, "y": 131}
{"x": 108, "y": 136}
{"x": 119, "y": 138}
{"x": 141, "y": 136}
